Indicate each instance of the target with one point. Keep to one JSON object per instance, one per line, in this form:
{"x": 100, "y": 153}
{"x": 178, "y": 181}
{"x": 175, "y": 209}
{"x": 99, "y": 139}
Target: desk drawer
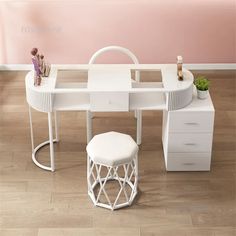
{"x": 190, "y": 155}
{"x": 191, "y": 121}
{"x": 190, "y": 142}
{"x": 109, "y": 101}
{"x": 188, "y": 164}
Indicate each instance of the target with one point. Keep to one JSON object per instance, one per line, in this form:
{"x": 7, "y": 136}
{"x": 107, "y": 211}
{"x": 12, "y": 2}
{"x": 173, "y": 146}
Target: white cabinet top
{"x": 198, "y": 104}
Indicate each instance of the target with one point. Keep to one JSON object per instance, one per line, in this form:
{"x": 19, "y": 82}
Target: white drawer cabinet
{"x": 187, "y": 136}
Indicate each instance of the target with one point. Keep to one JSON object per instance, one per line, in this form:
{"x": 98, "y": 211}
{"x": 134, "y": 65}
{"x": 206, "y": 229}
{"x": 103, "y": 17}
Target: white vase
{"x": 202, "y": 94}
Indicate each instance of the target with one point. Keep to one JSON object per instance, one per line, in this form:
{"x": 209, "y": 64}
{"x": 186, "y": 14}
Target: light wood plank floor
{"x": 34, "y": 202}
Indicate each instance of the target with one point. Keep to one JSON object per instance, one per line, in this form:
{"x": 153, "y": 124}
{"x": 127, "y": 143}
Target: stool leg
{"x": 102, "y": 184}
{"x": 88, "y": 173}
{"x": 136, "y": 172}
{"x": 122, "y": 184}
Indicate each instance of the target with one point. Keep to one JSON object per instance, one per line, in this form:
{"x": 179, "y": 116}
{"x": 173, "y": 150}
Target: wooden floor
{"x": 34, "y": 202}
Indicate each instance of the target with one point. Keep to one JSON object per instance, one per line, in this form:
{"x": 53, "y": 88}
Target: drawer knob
{"x": 191, "y": 123}
{"x": 188, "y": 163}
{"x": 190, "y": 144}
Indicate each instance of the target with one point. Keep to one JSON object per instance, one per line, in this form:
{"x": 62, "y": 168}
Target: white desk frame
{"x": 51, "y": 97}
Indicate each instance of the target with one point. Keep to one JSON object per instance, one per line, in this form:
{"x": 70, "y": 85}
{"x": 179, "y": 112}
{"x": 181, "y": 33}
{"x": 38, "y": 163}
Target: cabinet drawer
{"x": 191, "y": 121}
{"x": 190, "y": 142}
{"x": 188, "y": 164}
{"x": 190, "y": 155}
{"x": 109, "y": 101}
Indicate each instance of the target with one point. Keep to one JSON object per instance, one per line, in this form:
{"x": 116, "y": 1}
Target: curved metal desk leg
{"x": 50, "y": 141}
{"x": 31, "y": 129}
{"x": 139, "y": 127}
{"x": 56, "y": 126}
{"x": 89, "y": 125}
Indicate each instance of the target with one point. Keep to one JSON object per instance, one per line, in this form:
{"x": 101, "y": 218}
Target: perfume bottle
{"x": 179, "y": 68}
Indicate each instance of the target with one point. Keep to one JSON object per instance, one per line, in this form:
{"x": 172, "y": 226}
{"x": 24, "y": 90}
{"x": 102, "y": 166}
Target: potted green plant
{"x": 202, "y": 85}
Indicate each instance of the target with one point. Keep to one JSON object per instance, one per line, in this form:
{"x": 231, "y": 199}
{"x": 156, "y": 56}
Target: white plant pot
{"x": 202, "y": 94}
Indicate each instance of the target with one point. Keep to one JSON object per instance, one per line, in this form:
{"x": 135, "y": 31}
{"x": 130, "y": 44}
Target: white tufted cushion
{"x": 112, "y": 148}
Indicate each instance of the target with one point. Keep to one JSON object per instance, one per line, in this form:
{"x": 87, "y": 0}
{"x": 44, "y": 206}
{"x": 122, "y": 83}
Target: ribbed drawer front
{"x": 191, "y": 121}
{"x": 188, "y": 164}
{"x": 190, "y": 142}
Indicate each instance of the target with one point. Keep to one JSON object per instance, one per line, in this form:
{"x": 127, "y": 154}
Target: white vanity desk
{"x": 187, "y": 123}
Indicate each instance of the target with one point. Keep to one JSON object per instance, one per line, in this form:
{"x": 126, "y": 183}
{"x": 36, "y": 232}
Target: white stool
{"x": 112, "y": 156}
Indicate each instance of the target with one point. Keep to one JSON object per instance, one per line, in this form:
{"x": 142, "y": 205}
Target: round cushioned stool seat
{"x": 112, "y": 148}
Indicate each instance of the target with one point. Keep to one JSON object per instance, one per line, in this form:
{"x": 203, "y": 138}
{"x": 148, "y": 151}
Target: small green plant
{"x": 202, "y": 83}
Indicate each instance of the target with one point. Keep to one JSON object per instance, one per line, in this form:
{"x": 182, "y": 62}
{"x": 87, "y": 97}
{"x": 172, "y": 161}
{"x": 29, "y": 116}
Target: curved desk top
{"x": 168, "y": 71}
{"x": 177, "y": 93}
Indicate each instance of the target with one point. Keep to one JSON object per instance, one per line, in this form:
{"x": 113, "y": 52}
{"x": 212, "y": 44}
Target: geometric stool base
{"x": 100, "y": 176}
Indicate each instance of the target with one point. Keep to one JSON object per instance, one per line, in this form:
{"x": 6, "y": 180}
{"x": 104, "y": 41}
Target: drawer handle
{"x": 191, "y": 123}
{"x": 188, "y": 164}
{"x": 190, "y": 144}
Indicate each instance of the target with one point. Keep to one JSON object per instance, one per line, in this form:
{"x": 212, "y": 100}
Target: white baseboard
{"x": 206, "y": 66}
{"x": 16, "y": 67}
{"x": 211, "y": 66}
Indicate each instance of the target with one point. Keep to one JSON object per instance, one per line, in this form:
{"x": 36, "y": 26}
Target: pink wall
{"x": 203, "y": 31}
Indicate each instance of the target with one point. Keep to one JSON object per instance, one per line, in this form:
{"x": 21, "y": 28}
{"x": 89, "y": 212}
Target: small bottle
{"x": 179, "y": 68}
{"x": 42, "y": 65}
